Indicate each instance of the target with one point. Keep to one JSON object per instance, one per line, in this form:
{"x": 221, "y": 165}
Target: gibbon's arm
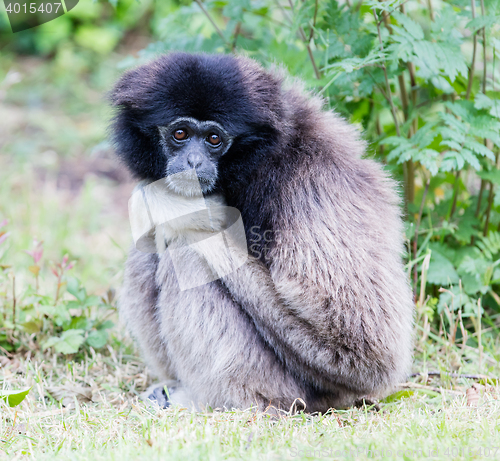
{"x": 335, "y": 298}
{"x": 138, "y": 308}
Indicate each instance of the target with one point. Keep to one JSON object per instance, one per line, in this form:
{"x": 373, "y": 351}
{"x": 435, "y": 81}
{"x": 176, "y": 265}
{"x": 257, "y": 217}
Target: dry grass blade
{"x": 439, "y": 390}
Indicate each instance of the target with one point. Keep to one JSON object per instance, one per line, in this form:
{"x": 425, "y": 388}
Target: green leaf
{"x": 71, "y": 341}
{"x": 106, "y": 325}
{"x": 50, "y": 342}
{"x": 73, "y": 287}
{"x": 410, "y": 25}
{"x": 32, "y": 326}
{"x": 476, "y": 274}
{"x": 470, "y": 158}
{"x": 388, "y": 5}
{"x": 493, "y": 175}
{"x": 452, "y": 61}
{"x": 73, "y": 305}
{"x": 467, "y": 228}
{"x": 99, "y": 39}
{"x": 434, "y": 58}
{"x": 92, "y": 301}
{"x": 480, "y": 22}
{"x": 80, "y": 323}
{"x": 490, "y": 245}
{"x": 452, "y": 161}
{"x": 68, "y": 343}
{"x": 455, "y": 299}
{"x": 452, "y": 144}
{"x": 97, "y": 339}
{"x": 481, "y": 101}
{"x": 397, "y": 396}
{"x": 441, "y": 271}
{"x": 14, "y": 398}
{"x": 479, "y": 148}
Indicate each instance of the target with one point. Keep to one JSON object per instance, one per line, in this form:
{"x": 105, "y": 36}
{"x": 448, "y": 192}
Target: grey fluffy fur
{"x": 327, "y": 318}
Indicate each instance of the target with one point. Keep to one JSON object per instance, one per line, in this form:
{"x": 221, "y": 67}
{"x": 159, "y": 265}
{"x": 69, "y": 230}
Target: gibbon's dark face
{"x": 189, "y": 146}
{"x": 214, "y": 114}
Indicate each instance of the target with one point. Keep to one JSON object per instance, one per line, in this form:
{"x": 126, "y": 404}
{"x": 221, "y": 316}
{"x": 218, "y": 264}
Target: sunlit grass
{"x": 118, "y": 426}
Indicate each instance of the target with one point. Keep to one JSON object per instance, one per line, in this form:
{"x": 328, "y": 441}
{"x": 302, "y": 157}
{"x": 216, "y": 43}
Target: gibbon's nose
{"x": 194, "y": 160}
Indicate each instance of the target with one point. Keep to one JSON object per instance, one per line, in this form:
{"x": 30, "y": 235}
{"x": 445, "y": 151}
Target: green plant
{"x": 43, "y": 321}
{"x": 14, "y": 398}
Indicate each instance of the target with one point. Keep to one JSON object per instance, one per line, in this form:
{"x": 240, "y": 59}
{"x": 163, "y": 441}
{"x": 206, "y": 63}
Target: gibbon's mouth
{"x": 189, "y": 183}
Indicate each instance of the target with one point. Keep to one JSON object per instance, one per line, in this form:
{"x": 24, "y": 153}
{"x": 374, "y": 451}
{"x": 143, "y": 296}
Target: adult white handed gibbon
{"x": 322, "y": 312}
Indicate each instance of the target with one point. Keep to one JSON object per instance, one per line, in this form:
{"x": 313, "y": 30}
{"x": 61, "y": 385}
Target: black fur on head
{"x": 234, "y": 92}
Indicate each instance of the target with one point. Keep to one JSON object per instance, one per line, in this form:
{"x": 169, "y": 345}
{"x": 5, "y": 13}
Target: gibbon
{"x": 317, "y": 309}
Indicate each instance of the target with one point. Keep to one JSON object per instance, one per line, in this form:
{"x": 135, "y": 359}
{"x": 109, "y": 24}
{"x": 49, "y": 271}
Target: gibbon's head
{"x": 215, "y": 115}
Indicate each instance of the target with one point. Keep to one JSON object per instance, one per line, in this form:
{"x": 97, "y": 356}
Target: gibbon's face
{"x": 192, "y": 149}
{"x": 213, "y": 115}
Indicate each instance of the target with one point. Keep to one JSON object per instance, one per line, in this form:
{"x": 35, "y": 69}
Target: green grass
{"x": 86, "y": 406}
{"x": 118, "y": 426}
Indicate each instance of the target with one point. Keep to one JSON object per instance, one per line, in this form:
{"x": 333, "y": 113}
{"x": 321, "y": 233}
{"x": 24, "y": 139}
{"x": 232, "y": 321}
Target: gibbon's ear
{"x": 132, "y": 88}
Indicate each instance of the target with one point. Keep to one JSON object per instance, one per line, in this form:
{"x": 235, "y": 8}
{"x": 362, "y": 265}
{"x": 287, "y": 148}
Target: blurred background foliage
{"x": 419, "y": 78}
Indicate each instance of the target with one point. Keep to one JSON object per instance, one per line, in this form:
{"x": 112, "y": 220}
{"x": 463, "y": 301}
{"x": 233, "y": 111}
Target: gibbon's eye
{"x": 214, "y": 139}
{"x": 180, "y": 135}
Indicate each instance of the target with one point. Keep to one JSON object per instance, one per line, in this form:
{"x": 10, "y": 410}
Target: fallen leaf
{"x": 473, "y": 394}
{"x": 68, "y": 392}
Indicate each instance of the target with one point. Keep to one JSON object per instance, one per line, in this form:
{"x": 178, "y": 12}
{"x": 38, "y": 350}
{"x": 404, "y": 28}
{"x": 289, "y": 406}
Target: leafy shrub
{"x": 70, "y": 321}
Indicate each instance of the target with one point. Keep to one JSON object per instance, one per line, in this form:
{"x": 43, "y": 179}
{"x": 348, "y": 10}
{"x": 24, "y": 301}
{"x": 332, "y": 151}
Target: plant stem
{"x": 209, "y": 17}
{"x": 378, "y": 127}
{"x": 483, "y": 183}
{"x": 471, "y": 70}
{"x": 488, "y": 209}
{"x": 311, "y": 34}
{"x": 285, "y": 14}
{"x": 480, "y": 198}
{"x": 317, "y": 73}
{"x": 478, "y": 207}
{"x": 236, "y": 34}
{"x": 479, "y": 339}
{"x": 387, "y": 84}
{"x": 490, "y": 199}
{"x": 404, "y": 94}
{"x": 59, "y": 278}
{"x": 302, "y": 34}
{"x": 483, "y": 12}
{"x": 410, "y": 166}
{"x": 415, "y": 239}
{"x": 411, "y": 70}
{"x": 410, "y": 185}
{"x": 431, "y": 11}
{"x": 455, "y": 195}
{"x": 14, "y": 301}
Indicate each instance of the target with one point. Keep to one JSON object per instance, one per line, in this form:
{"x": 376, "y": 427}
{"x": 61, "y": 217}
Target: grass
{"x": 115, "y": 425}
{"x": 57, "y": 186}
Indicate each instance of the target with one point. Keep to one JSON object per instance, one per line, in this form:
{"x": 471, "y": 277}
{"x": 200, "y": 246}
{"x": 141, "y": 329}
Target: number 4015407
{"x": 32, "y": 8}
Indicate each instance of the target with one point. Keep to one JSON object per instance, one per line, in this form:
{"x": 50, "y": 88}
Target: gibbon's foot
{"x": 369, "y": 403}
{"x": 157, "y": 393}
{"x": 170, "y": 394}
